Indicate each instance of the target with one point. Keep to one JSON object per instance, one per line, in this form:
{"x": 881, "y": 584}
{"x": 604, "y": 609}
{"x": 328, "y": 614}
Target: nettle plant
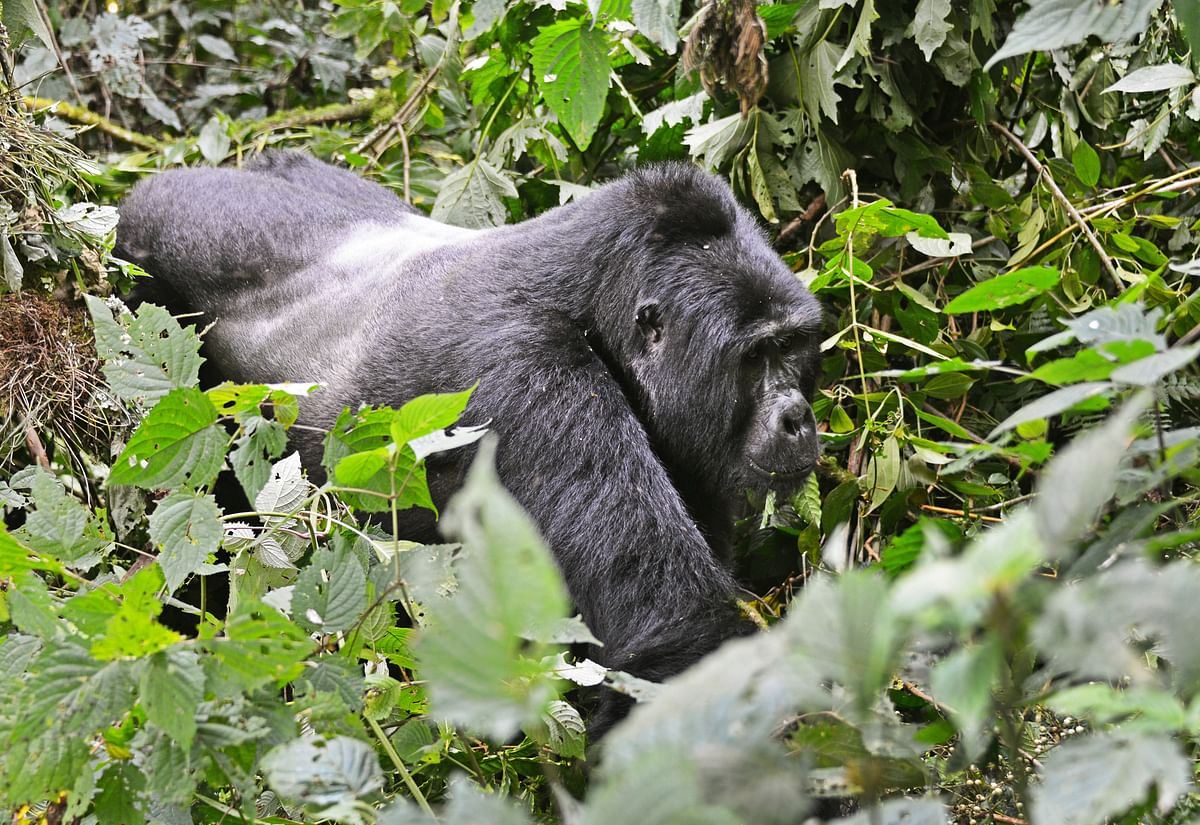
{"x": 356, "y": 677}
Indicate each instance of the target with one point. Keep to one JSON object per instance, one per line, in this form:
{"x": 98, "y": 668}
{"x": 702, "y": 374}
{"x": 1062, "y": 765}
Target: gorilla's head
{"x": 719, "y": 342}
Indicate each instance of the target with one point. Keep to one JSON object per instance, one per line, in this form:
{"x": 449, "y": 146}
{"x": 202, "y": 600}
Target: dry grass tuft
{"x": 51, "y": 389}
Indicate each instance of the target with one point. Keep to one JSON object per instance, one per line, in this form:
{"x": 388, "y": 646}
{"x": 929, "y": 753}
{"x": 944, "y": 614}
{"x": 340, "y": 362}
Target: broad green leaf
{"x": 1005, "y": 290}
{"x": 56, "y": 524}
{"x": 717, "y": 140}
{"x": 1085, "y": 365}
{"x": 1144, "y": 709}
{"x": 1149, "y": 371}
{"x": 1091, "y": 779}
{"x": 119, "y": 795}
{"x": 817, "y": 81}
{"x": 963, "y": 684}
{"x": 471, "y": 196}
{"x": 484, "y": 14}
{"x": 323, "y": 772}
{"x": 132, "y": 631}
{"x": 172, "y": 686}
{"x": 177, "y": 443}
{"x": 260, "y": 647}
{"x": 214, "y": 141}
{"x": 1052, "y": 404}
{"x": 331, "y": 592}
{"x": 1086, "y": 163}
{"x": 509, "y": 588}
{"x": 566, "y": 735}
{"x": 1122, "y": 323}
{"x": 930, "y": 25}
{"x": 362, "y": 454}
{"x": 1053, "y": 24}
{"x": 571, "y": 66}
{"x": 146, "y": 355}
{"x": 1188, "y": 15}
{"x": 264, "y": 440}
{"x": 186, "y": 527}
{"x": 428, "y": 413}
{"x": 658, "y": 20}
{"x": 1081, "y": 479}
{"x": 22, "y": 19}
{"x": 1154, "y": 79}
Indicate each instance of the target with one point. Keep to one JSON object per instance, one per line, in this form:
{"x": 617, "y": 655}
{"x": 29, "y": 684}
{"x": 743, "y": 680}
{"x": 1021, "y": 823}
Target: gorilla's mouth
{"x": 781, "y": 475}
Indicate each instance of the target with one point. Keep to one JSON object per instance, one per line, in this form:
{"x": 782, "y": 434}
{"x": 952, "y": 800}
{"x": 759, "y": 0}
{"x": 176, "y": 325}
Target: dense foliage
{"x": 983, "y": 607}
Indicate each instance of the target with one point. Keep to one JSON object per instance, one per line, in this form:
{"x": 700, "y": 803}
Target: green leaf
{"x": 571, "y": 65}
{"x": 963, "y": 683}
{"x": 509, "y": 589}
{"x": 186, "y": 527}
{"x": 1053, "y": 24}
{"x": 323, "y": 772}
{"x": 57, "y": 523}
{"x": 15, "y": 558}
{"x": 1091, "y": 779}
{"x": 930, "y": 26}
{"x": 1144, "y": 709}
{"x": 1188, "y": 15}
{"x": 172, "y": 686}
{"x": 566, "y": 735}
{"x": 21, "y": 18}
{"x": 471, "y": 196}
{"x": 132, "y": 632}
{"x": 1154, "y": 79}
{"x": 1005, "y": 290}
{"x": 1054, "y": 403}
{"x": 331, "y": 592}
{"x": 817, "y": 81}
{"x": 428, "y": 413}
{"x": 252, "y": 454}
{"x": 1147, "y": 372}
{"x": 1086, "y": 163}
{"x": 658, "y": 20}
{"x": 260, "y": 647}
{"x": 146, "y": 355}
{"x": 177, "y": 443}
{"x": 362, "y": 454}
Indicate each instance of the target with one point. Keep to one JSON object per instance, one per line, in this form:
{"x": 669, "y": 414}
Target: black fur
{"x": 643, "y": 355}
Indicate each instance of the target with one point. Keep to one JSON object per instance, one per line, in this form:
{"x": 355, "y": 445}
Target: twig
{"x": 40, "y": 8}
{"x": 401, "y": 769}
{"x": 35, "y": 446}
{"x": 291, "y": 118}
{"x": 950, "y": 511}
{"x": 793, "y": 227}
{"x": 90, "y": 118}
{"x": 1066, "y": 204}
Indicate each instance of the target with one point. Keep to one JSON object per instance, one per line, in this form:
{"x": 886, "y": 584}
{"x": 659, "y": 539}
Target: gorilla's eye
{"x": 755, "y": 353}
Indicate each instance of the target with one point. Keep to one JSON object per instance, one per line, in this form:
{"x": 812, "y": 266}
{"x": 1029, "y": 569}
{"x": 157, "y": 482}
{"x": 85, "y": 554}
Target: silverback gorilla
{"x": 643, "y": 355}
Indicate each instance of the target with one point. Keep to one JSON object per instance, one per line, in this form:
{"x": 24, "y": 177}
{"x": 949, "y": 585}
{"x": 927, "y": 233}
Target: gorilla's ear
{"x": 649, "y": 321}
{"x": 687, "y": 204}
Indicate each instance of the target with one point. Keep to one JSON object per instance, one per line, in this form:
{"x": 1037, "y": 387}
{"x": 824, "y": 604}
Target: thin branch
{"x": 1066, "y": 203}
{"x": 90, "y": 118}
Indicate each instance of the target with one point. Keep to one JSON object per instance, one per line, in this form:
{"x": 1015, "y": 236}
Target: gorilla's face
{"x": 728, "y": 365}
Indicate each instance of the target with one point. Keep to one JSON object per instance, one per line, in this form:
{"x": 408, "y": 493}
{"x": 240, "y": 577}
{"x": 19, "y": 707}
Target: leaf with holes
{"x": 571, "y": 65}
{"x": 146, "y": 355}
{"x": 186, "y": 527}
{"x": 177, "y": 443}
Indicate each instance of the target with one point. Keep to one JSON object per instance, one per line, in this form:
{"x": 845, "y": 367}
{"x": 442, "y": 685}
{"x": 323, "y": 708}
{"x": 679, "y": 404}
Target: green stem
{"x": 401, "y": 768}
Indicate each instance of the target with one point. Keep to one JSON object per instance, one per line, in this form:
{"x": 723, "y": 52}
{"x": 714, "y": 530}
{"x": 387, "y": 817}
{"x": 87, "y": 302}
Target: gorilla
{"x": 643, "y": 355}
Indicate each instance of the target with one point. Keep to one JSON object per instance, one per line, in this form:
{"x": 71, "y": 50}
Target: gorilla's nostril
{"x": 791, "y": 425}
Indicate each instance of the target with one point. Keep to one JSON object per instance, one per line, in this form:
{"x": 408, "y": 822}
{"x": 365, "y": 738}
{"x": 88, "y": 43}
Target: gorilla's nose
{"x": 794, "y": 418}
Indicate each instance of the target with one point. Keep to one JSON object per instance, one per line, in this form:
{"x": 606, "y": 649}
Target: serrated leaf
{"x": 1053, "y": 24}
{"x": 717, "y": 140}
{"x": 658, "y": 20}
{"x": 1005, "y": 290}
{"x": 330, "y": 593}
{"x": 323, "y": 772}
{"x": 428, "y": 413}
{"x": 1091, "y": 779}
{"x": 573, "y": 73}
{"x": 177, "y": 443}
{"x": 567, "y": 735}
{"x": 186, "y": 527}
{"x": 508, "y": 585}
{"x": 471, "y": 196}
{"x": 131, "y": 632}
{"x": 260, "y": 646}
{"x": 56, "y": 523}
{"x": 362, "y": 454}
{"x": 172, "y": 686}
{"x": 146, "y": 355}
{"x": 21, "y": 18}
{"x": 817, "y": 82}
{"x": 1122, "y": 323}
{"x": 264, "y": 440}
